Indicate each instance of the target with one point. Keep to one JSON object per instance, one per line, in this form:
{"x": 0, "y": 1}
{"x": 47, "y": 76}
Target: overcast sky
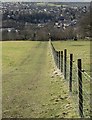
{"x": 46, "y": 0}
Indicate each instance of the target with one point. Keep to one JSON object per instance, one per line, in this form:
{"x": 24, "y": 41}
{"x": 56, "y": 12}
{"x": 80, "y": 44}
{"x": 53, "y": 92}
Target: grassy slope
{"x": 28, "y": 89}
{"x": 79, "y": 49}
{"x": 49, "y": 4}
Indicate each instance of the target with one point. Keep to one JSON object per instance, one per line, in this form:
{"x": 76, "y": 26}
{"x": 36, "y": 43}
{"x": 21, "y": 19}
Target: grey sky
{"x": 46, "y": 0}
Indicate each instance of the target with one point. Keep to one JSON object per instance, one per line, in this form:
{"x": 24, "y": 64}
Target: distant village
{"x": 35, "y": 21}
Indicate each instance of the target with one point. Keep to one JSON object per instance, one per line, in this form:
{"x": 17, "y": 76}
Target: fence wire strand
{"x": 75, "y": 78}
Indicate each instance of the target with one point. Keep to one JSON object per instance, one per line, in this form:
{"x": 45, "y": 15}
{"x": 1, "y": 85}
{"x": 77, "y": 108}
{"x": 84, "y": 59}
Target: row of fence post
{"x": 60, "y": 58}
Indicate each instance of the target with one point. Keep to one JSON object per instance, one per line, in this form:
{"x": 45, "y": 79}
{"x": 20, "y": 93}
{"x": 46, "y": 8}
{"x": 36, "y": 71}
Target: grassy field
{"x": 30, "y": 86}
{"x": 49, "y": 4}
{"x": 79, "y": 49}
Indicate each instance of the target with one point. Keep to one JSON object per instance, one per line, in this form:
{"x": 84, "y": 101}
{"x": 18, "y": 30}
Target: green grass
{"x": 49, "y": 4}
{"x": 29, "y": 90}
{"x": 80, "y": 50}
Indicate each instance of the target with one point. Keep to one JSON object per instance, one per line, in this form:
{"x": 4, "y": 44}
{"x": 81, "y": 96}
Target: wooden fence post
{"x": 57, "y": 59}
{"x": 80, "y": 88}
{"x": 61, "y": 61}
{"x": 71, "y": 65}
{"x": 65, "y": 62}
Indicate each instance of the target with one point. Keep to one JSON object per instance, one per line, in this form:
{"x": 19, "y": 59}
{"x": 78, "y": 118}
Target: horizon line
{"x": 51, "y": 1}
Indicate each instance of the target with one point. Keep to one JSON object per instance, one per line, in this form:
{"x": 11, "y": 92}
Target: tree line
{"x": 29, "y": 31}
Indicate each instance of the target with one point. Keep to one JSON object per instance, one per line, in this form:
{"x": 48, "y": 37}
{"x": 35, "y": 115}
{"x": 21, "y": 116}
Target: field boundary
{"x": 77, "y": 78}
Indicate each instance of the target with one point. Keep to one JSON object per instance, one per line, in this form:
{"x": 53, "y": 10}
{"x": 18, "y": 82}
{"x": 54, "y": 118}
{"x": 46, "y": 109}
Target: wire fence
{"x": 77, "y": 78}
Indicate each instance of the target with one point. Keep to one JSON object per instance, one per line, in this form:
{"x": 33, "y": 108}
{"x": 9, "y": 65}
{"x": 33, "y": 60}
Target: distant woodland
{"x": 44, "y": 22}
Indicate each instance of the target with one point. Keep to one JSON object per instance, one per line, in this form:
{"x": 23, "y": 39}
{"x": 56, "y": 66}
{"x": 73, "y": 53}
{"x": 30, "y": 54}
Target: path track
{"x": 32, "y": 90}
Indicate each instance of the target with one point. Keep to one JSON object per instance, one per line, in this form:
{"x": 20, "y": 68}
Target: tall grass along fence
{"x": 77, "y": 78}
